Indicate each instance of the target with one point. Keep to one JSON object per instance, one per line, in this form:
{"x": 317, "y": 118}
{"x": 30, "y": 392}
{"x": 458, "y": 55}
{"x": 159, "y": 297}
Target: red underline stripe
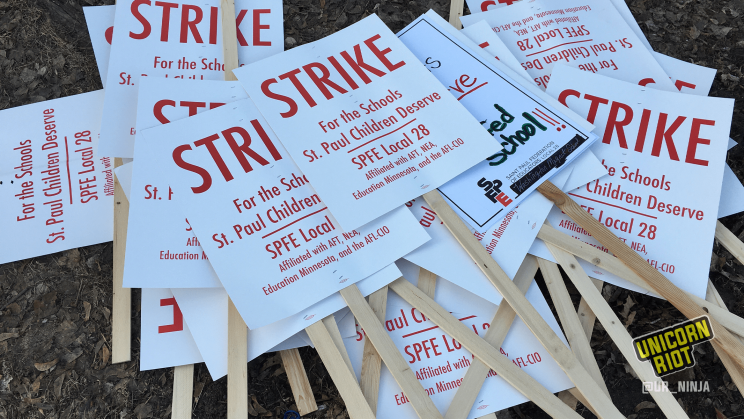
{"x": 383, "y": 135}
{"x": 559, "y": 45}
{"x": 299, "y": 219}
{"x": 434, "y": 327}
{"x": 615, "y": 206}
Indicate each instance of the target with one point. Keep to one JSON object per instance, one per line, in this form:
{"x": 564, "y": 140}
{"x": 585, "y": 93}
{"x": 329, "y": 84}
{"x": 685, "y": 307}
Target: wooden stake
{"x": 338, "y": 340}
{"x": 736, "y": 373}
{"x": 478, "y": 371}
{"x": 482, "y": 350}
{"x": 730, "y": 241}
{"x": 298, "y": 382}
{"x": 456, "y": 10}
{"x": 615, "y": 329}
{"x": 371, "y": 361}
{"x": 610, "y": 263}
{"x": 237, "y": 332}
{"x": 237, "y": 364}
{"x": 183, "y": 391}
{"x": 392, "y": 357}
{"x": 570, "y": 321}
{"x": 658, "y": 282}
{"x": 342, "y": 377}
{"x": 121, "y": 307}
{"x": 539, "y": 327}
{"x": 427, "y": 282}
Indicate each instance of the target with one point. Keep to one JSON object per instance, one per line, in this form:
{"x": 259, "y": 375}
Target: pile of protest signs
{"x": 388, "y": 199}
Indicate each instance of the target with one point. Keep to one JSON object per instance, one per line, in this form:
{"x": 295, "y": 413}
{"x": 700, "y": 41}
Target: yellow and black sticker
{"x": 670, "y": 349}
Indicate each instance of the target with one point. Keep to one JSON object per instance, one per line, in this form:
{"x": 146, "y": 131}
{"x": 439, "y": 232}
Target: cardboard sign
{"x": 665, "y": 154}
{"x": 100, "y": 21}
{"x": 165, "y": 339}
{"x": 482, "y": 35}
{"x": 440, "y": 363}
{"x": 205, "y": 310}
{"x": 179, "y": 39}
{"x": 55, "y": 192}
{"x": 365, "y": 135}
{"x": 593, "y": 38}
{"x": 124, "y": 175}
{"x": 159, "y": 235}
{"x": 477, "y": 6}
{"x": 538, "y": 138}
{"x": 243, "y": 195}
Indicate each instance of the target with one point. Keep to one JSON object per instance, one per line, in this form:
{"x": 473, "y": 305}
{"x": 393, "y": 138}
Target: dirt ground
{"x": 55, "y": 310}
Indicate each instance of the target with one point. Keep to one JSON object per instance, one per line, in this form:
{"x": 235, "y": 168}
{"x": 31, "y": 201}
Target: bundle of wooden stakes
{"x": 578, "y": 361}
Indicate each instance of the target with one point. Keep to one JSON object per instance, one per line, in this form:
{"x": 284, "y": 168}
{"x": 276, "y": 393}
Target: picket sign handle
{"x": 371, "y": 361}
{"x": 121, "y": 306}
{"x": 342, "y": 376}
{"x": 616, "y": 330}
{"x": 338, "y": 340}
{"x": 237, "y": 331}
{"x": 539, "y": 327}
{"x": 658, "y": 282}
{"x": 490, "y": 356}
{"x": 183, "y": 391}
{"x": 736, "y": 372}
{"x": 478, "y": 371}
{"x": 389, "y": 353}
{"x": 613, "y": 265}
{"x": 570, "y": 321}
{"x": 730, "y": 241}
{"x": 298, "y": 382}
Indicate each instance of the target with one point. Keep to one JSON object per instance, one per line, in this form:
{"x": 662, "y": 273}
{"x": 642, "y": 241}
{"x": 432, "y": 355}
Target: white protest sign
{"x": 665, "y": 154}
{"x": 243, "y": 195}
{"x": 477, "y": 6}
{"x": 482, "y": 35}
{"x": 538, "y": 138}
{"x": 165, "y": 339}
{"x": 366, "y": 136}
{"x": 592, "y": 37}
{"x": 179, "y": 39}
{"x": 507, "y": 242}
{"x": 160, "y": 241}
{"x": 55, "y": 192}
{"x": 260, "y": 29}
{"x": 440, "y": 363}
{"x": 100, "y": 21}
{"x": 205, "y": 310}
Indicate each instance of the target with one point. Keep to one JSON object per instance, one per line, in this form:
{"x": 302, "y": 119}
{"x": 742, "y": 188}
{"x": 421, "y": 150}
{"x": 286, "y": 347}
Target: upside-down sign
{"x": 267, "y": 234}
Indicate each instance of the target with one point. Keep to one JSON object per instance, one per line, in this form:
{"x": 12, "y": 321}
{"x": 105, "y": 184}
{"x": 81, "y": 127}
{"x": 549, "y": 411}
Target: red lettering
{"x": 594, "y": 106}
{"x": 177, "y": 325}
{"x": 193, "y": 106}
{"x": 257, "y": 26}
{"x": 178, "y": 159}
{"x": 146, "y": 28}
{"x": 238, "y": 20}
{"x": 292, "y": 76}
{"x": 190, "y": 25}
{"x": 695, "y": 140}
{"x": 565, "y": 94}
{"x": 614, "y": 125}
{"x": 209, "y": 143}
{"x": 641, "y": 139}
{"x": 323, "y": 80}
{"x": 662, "y": 133}
{"x": 157, "y": 110}
{"x": 381, "y": 54}
{"x": 288, "y": 100}
{"x": 359, "y": 63}
{"x": 166, "y": 18}
{"x": 244, "y": 149}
